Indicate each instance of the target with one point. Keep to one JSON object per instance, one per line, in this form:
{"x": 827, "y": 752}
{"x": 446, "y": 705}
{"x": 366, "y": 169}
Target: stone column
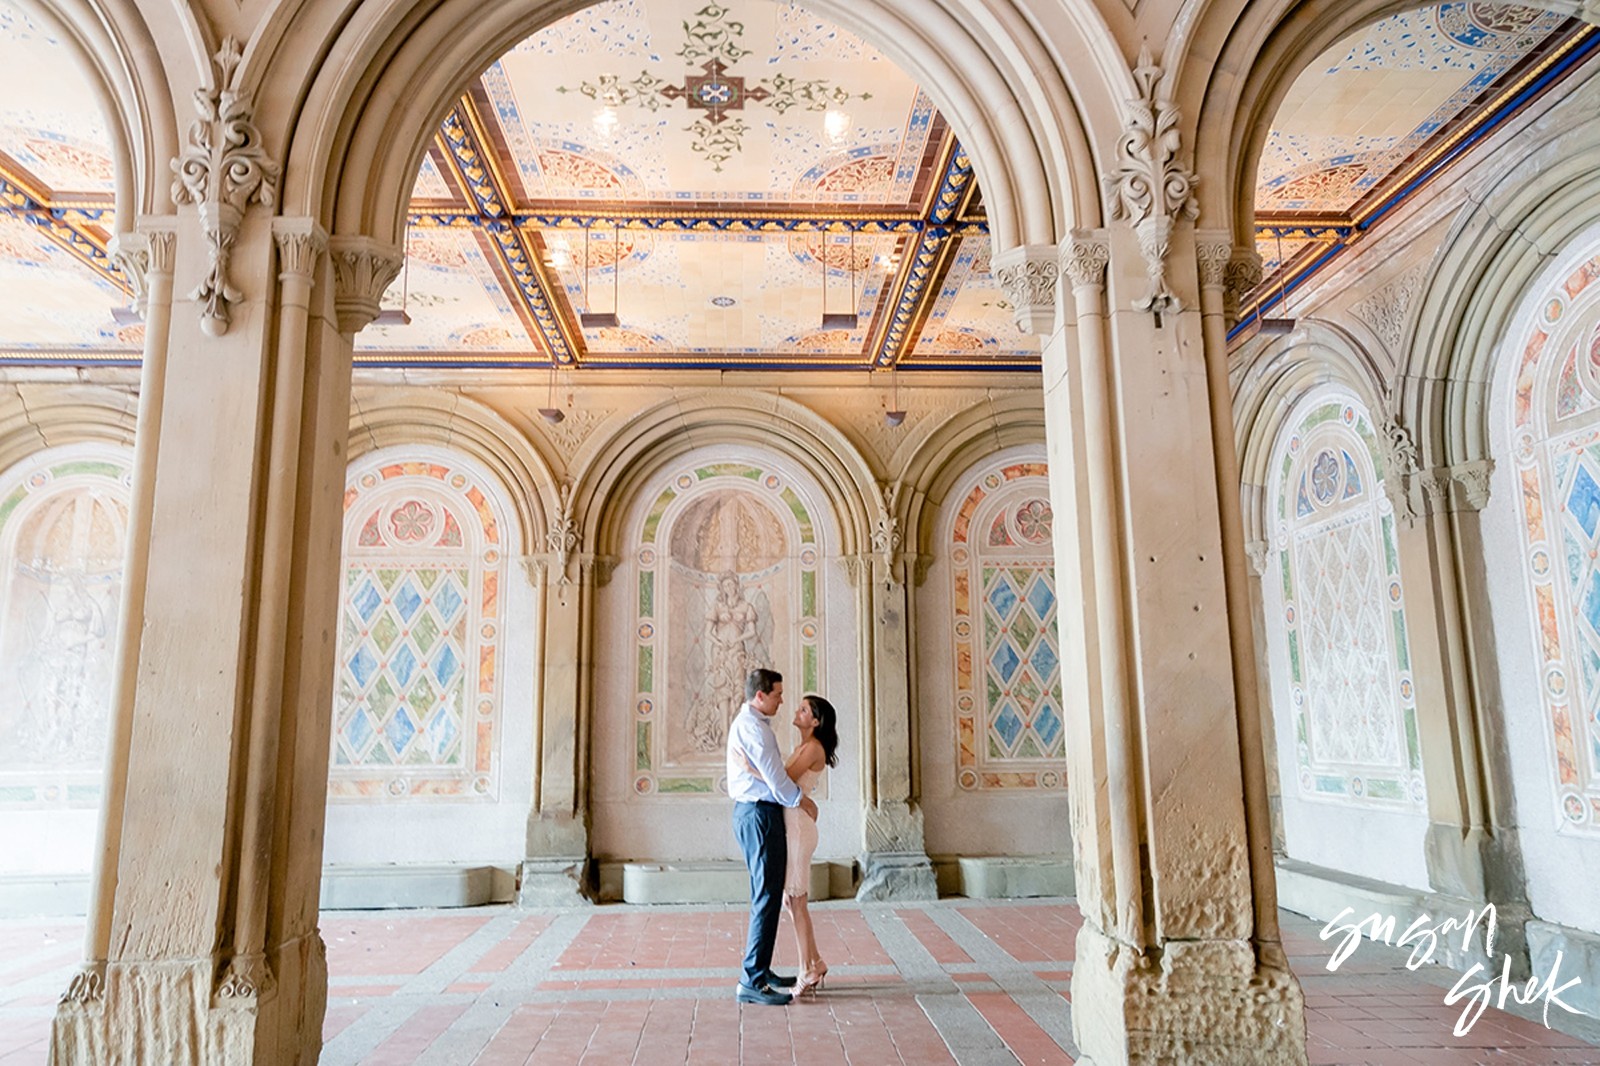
{"x": 1472, "y": 851}
{"x": 1177, "y": 960}
{"x": 556, "y": 869}
{"x": 212, "y": 883}
{"x": 895, "y": 862}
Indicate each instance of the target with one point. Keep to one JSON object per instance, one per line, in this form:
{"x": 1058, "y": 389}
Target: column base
{"x": 1201, "y": 1003}
{"x": 555, "y": 882}
{"x": 181, "y": 1013}
{"x": 897, "y": 877}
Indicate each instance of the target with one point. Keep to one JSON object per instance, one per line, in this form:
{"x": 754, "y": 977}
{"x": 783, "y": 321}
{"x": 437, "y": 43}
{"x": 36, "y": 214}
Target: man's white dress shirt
{"x": 752, "y": 744}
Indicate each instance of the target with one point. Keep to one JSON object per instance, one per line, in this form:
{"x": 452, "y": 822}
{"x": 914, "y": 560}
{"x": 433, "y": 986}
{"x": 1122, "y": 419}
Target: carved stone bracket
{"x": 1150, "y": 188}
{"x": 1027, "y": 275}
{"x": 362, "y": 270}
{"x": 223, "y": 169}
{"x": 130, "y": 254}
{"x": 561, "y": 539}
{"x": 300, "y": 243}
{"x": 1085, "y": 254}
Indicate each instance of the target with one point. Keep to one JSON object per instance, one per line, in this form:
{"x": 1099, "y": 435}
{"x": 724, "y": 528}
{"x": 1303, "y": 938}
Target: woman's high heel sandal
{"x": 810, "y": 981}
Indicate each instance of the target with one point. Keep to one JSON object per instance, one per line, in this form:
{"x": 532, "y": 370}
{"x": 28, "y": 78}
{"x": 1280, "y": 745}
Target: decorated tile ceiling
{"x": 679, "y": 183}
{"x": 690, "y": 184}
{"x": 1381, "y": 107}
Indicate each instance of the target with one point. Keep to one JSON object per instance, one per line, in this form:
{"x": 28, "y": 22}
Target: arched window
{"x": 1009, "y": 728}
{"x": 417, "y": 702}
{"x": 1341, "y": 655}
{"x": 1555, "y": 446}
{"x": 63, "y": 534}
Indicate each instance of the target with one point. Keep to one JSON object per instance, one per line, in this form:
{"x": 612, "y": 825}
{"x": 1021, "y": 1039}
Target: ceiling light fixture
{"x": 592, "y": 319}
{"x": 836, "y": 125}
{"x": 397, "y": 316}
{"x": 839, "y": 320}
{"x": 894, "y": 414}
{"x": 550, "y": 412}
{"x": 1283, "y": 324}
{"x": 126, "y": 316}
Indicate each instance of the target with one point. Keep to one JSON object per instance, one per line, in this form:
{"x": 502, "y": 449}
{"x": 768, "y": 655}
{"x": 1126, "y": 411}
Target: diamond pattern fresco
{"x": 404, "y": 690}
{"x": 1026, "y": 723}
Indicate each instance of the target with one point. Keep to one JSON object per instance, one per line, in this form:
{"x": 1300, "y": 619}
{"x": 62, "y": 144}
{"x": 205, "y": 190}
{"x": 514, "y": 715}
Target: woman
{"x": 819, "y": 746}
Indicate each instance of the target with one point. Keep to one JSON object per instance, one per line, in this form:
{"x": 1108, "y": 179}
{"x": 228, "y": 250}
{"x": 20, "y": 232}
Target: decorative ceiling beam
{"x": 465, "y": 145}
{"x": 928, "y": 257}
{"x": 67, "y": 228}
{"x": 777, "y": 224}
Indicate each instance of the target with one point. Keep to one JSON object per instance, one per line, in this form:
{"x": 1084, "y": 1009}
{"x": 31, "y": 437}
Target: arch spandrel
{"x": 385, "y": 418}
{"x": 375, "y": 99}
{"x": 609, "y": 470}
{"x": 1280, "y": 377}
{"x": 128, "y": 55}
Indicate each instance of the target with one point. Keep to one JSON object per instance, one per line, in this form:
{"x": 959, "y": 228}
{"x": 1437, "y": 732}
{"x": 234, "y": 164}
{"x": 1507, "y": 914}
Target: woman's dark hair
{"x": 827, "y": 731}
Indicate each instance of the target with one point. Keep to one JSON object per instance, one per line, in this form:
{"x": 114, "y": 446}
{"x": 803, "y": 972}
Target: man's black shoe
{"x": 770, "y": 997}
{"x": 778, "y": 981}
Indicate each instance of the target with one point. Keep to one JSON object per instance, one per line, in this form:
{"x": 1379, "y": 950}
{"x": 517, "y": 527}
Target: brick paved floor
{"x": 959, "y": 981}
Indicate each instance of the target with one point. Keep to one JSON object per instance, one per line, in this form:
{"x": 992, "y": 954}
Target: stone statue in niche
{"x": 733, "y": 647}
{"x": 729, "y": 571}
{"x": 59, "y": 634}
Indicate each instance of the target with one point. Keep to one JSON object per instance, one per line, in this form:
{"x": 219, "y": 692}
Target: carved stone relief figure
{"x": 728, "y": 551}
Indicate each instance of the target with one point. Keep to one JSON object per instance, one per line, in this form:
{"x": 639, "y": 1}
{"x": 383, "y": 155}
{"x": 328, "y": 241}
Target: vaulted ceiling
{"x": 654, "y": 183}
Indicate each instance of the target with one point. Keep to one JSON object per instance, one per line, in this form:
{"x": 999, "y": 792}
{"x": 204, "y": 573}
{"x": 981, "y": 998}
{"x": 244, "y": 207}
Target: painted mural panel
{"x": 1009, "y": 728}
{"x": 1347, "y": 665}
{"x": 63, "y": 533}
{"x": 727, "y": 569}
{"x": 1555, "y": 435}
{"x": 417, "y": 700}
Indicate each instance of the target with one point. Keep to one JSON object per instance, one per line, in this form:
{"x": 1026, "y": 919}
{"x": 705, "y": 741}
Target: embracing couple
{"x": 775, "y": 822}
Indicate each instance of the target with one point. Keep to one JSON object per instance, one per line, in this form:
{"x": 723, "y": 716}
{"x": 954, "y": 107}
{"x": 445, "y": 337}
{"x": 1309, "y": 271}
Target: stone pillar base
{"x": 1202, "y": 1003}
{"x": 897, "y": 876}
{"x": 178, "y": 1013}
{"x": 555, "y": 882}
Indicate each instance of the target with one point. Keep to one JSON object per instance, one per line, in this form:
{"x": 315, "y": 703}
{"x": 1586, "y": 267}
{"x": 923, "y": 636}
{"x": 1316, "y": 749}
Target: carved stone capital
{"x": 362, "y": 270}
{"x": 1149, "y": 187}
{"x": 222, "y": 170}
{"x": 1258, "y": 551}
{"x": 1240, "y": 277}
{"x": 1084, "y": 257}
{"x": 1213, "y": 252}
{"x": 300, "y": 243}
{"x": 1027, "y": 275}
{"x": 130, "y": 254}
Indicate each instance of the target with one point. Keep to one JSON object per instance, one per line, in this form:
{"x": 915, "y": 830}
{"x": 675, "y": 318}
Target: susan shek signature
{"x": 1477, "y": 992}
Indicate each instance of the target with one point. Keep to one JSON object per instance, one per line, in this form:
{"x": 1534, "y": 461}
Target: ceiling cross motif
{"x": 715, "y": 91}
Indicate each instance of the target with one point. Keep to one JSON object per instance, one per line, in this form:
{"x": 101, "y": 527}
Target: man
{"x": 760, "y": 789}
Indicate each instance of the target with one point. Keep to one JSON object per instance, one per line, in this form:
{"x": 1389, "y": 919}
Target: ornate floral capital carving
{"x": 300, "y": 243}
{"x": 561, "y": 539}
{"x": 1258, "y": 551}
{"x": 1240, "y": 277}
{"x": 1213, "y": 252}
{"x": 362, "y": 270}
{"x": 1150, "y": 188}
{"x": 1084, "y": 257}
{"x": 130, "y": 254}
{"x": 1027, "y": 275}
{"x": 223, "y": 169}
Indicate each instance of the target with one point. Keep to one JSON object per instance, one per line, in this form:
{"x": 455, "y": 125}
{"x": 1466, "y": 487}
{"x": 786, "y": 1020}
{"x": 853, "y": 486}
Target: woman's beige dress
{"x": 801, "y": 830}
